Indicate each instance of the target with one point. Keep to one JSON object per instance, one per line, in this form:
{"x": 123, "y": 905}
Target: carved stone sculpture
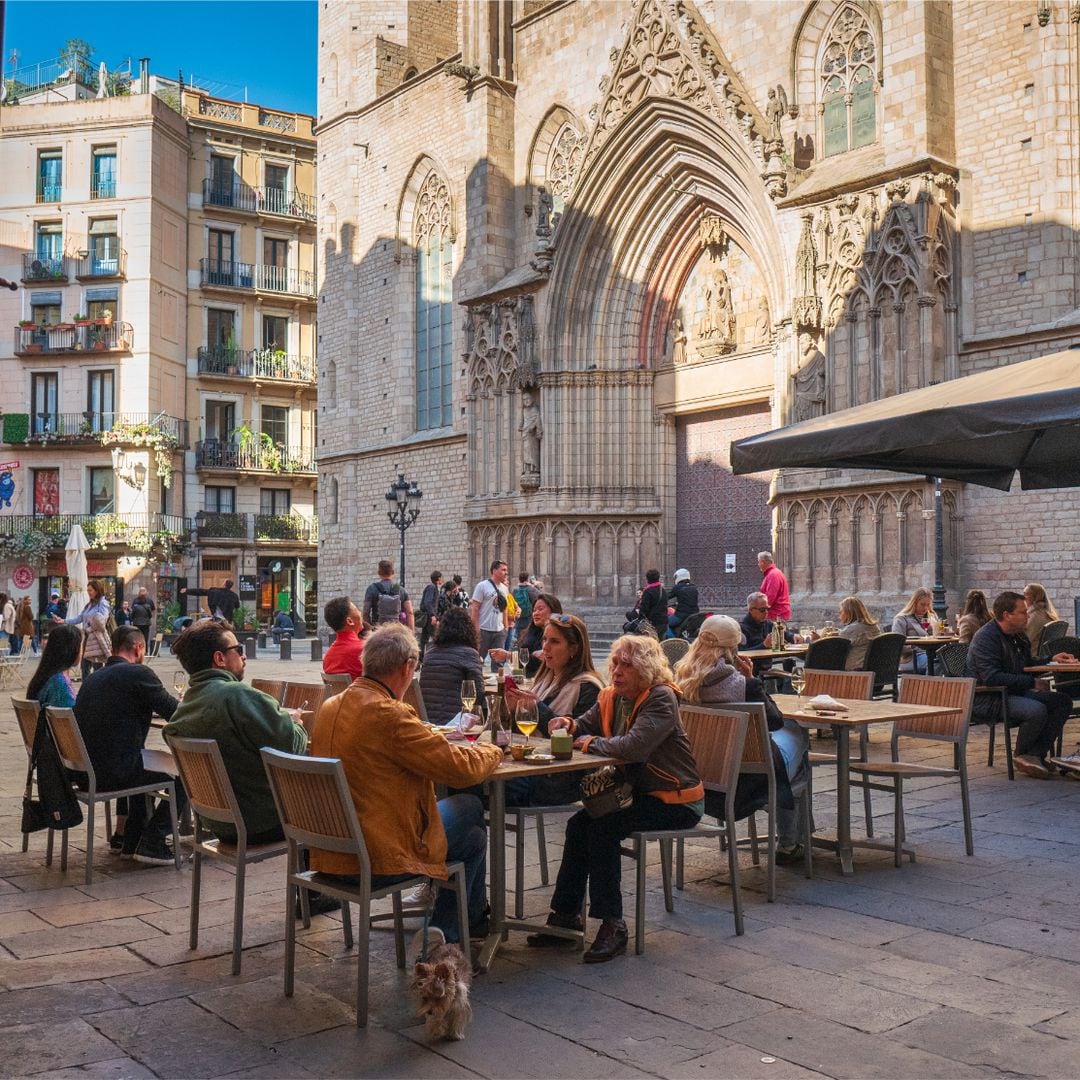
{"x": 809, "y": 380}
{"x": 716, "y": 327}
{"x": 676, "y": 342}
{"x": 806, "y": 307}
{"x": 762, "y": 322}
{"x": 532, "y": 431}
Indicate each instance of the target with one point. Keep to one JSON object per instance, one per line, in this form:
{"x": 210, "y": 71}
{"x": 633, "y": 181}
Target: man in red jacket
{"x": 774, "y": 585}
{"x": 343, "y": 657}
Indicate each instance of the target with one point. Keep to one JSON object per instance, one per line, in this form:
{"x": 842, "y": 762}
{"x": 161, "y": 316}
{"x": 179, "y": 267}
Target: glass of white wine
{"x": 526, "y": 717}
{"x": 179, "y": 683}
{"x": 798, "y": 682}
{"x": 468, "y": 696}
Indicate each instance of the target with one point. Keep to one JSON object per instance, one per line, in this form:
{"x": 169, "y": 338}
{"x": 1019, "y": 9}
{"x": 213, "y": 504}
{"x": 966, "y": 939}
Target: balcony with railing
{"x": 90, "y": 426}
{"x": 249, "y": 199}
{"x": 125, "y": 529}
{"x": 103, "y": 189}
{"x": 44, "y": 269}
{"x": 271, "y": 365}
{"x": 221, "y": 274}
{"x": 255, "y": 456}
{"x": 93, "y": 336}
{"x": 49, "y": 193}
{"x": 291, "y": 528}
{"x": 95, "y": 267}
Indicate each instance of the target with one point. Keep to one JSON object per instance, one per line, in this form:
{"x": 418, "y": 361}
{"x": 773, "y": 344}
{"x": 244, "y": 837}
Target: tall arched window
{"x": 434, "y": 294}
{"x": 846, "y": 74}
{"x": 564, "y": 161}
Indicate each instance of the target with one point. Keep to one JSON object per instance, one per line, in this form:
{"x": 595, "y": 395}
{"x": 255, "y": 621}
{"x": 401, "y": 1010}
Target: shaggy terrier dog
{"x": 441, "y": 985}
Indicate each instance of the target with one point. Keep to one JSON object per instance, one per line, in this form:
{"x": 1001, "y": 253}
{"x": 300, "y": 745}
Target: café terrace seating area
{"x": 948, "y": 948}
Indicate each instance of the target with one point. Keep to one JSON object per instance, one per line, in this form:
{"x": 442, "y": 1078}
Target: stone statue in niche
{"x": 762, "y": 322}
{"x": 532, "y": 431}
{"x": 676, "y": 341}
{"x": 775, "y": 108}
{"x": 809, "y": 382}
{"x": 716, "y": 327}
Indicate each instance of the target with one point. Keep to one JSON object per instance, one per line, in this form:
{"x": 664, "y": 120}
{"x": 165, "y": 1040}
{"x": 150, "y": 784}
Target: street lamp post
{"x": 403, "y": 500}
{"x": 939, "y": 553}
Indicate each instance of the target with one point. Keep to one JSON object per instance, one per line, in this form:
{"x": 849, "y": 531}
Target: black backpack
{"x": 388, "y": 605}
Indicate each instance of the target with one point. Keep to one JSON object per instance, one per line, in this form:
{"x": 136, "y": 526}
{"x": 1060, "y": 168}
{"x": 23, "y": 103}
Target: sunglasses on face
{"x": 238, "y": 648}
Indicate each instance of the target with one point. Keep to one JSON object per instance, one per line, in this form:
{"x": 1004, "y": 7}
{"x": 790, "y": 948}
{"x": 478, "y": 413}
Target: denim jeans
{"x": 792, "y": 742}
{"x": 466, "y": 842}
{"x": 491, "y": 639}
{"x": 591, "y": 856}
{"x": 159, "y": 825}
{"x": 1039, "y": 717}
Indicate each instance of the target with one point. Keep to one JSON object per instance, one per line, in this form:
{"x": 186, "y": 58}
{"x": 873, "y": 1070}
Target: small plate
{"x": 539, "y": 759}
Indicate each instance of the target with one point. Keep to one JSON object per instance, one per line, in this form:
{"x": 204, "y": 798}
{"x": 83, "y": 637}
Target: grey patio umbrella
{"x": 980, "y": 429}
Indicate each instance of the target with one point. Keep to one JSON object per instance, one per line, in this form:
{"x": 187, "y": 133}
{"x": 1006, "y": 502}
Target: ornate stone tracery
{"x": 564, "y": 164}
{"x": 431, "y": 222}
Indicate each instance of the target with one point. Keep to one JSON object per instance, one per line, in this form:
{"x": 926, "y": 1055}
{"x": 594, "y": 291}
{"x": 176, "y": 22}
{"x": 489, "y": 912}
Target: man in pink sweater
{"x": 774, "y": 585}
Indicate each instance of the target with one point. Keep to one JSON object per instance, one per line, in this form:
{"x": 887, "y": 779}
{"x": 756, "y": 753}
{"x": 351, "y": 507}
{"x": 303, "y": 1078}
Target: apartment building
{"x": 93, "y": 207}
{"x": 251, "y": 307}
{"x": 160, "y": 378}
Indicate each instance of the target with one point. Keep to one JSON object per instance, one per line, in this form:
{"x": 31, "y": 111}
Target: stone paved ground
{"x": 951, "y": 967}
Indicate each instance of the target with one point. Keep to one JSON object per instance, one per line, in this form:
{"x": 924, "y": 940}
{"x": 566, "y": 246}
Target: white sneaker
{"x": 423, "y": 896}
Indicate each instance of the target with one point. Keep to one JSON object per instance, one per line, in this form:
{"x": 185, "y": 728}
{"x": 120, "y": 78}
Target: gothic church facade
{"x": 571, "y": 250}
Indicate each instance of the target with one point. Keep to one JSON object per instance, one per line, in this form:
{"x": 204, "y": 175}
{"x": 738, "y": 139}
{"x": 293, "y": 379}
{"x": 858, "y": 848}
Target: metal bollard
{"x": 316, "y": 648}
{"x": 262, "y": 639}
{"x": 286, "y": 648}
{"x": 249, "y": 648}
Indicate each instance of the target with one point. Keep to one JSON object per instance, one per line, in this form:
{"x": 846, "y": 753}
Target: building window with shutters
{"x": 848, "y": 103}
{"x": 434, "y": 305}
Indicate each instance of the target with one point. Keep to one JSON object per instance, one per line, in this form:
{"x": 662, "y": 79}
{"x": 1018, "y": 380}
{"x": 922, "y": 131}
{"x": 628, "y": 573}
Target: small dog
{"x": 441, "y": 985}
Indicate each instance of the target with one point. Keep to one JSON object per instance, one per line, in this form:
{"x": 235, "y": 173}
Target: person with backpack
{"x": 525, "y": 593}
{"x": 488, "y": 609}
{"x": 386, "y": 601}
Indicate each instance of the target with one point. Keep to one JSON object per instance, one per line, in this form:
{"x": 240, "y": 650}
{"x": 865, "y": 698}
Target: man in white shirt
{"x": 488, "y": 609}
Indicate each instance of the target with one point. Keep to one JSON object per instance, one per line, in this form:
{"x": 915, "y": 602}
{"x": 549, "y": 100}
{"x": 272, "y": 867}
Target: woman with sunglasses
{"x": 544, "y": 606}
{"x": 567, "y": 684}
{"x": 636, "y": 719}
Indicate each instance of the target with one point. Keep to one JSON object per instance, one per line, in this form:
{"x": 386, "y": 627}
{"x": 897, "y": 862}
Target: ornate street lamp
{"x": 403, "y": 500}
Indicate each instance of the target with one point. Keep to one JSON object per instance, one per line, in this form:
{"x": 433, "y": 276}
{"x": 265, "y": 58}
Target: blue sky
{"x": 269, "y": 46}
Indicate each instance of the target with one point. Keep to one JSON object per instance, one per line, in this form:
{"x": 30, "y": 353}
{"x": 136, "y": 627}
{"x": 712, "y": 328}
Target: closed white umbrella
{"x": 75, "y": 550}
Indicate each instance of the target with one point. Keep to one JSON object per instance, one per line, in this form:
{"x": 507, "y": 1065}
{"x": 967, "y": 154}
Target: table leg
{"x": 843, "y": 797}
{"x": 496, "y": 873}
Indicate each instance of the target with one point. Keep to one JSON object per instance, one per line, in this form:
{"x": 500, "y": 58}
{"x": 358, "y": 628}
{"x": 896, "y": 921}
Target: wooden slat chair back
{"x": 73, "y": 756}
{"x": 839, "y": 684}
{"x": 316, "y": 810}
{"x": 274, "y": 687}
{"x": 211, "y": 795}
{"x": 307, "y": 696}
{"x": 26, "y": 713}
{"x": 952, "y": 663}
{"x": 716, "y": 738}
{"x": 954, "y": 694}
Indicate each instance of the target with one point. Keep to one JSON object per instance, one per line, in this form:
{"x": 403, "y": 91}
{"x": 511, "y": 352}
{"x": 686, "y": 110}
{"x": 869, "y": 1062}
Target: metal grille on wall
{"x": 721, "y": 519}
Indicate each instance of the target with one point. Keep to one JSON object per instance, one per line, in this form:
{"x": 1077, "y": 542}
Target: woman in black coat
{"x": 449, "y": 661}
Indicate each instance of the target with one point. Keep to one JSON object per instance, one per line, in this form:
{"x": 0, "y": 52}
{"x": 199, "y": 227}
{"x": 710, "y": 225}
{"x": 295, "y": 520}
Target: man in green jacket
{"x": 219, "y": 705}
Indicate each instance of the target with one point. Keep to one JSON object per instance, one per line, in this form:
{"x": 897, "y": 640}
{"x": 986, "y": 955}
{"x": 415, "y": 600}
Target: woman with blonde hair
{"x": 635, "y": 718}
{"x": 711, "y": 673}
{"x": 859, "y": 627}
{"x": 1040, "y": 612}
{"x": 913, "y": 620}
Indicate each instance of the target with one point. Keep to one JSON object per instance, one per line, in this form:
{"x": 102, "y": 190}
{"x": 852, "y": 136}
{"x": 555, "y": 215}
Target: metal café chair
{"x": 1051, "y": 632}
{"x": 883, "y": 659}
{"x": 73, "y": 755}
{"x": 27, "y": 713}
{"x": 211, "y": 795}
{"x": 951, "y": 727}
{"x": 952, "y": 661}
{"x": 716, "y": 738}
{"x": 674, "y": 649}
{"x": 316, "y": 810}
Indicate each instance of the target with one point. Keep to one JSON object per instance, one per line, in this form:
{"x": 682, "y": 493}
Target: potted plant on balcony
{"x": 27, "y": 324}
{"x": 231, "y": 367}
{"x": 105, "y": 318}
{"x": 82, "y": 320}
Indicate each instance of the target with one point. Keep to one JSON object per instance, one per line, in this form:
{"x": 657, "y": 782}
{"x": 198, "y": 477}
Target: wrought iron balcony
{"x": 95, "y": 336}
{"x": 269, "y": 364}
{"x": 123, "y": 529}
{"x": 132, "y": 429}
{"x": 256, "y": 456}
{"x": 96, "y": 267}
{"x": 49, "y": 193}
{"x": 44, "y": 268}
{"x": 280, "y": 279}
{"x": 226, "y": 274}
{"x": 278, "y": 202}
{"x": 103, "y": 189}
{"x": 291, "y": 528}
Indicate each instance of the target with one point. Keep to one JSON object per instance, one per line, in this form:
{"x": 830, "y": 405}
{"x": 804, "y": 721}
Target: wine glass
{"x": 524, "y": 656}
{"x": 798, "y": 682}
{"x": 470, "y": 726}
{"x": 179, "y": 683}
{"x": 526, "y": 718}
{"x": 468, "y": 696}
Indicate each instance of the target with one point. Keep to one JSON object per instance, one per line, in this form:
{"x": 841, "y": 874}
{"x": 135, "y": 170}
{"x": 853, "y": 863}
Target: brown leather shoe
{"x": 610, "y": 942}
{"x": 552, "y": 941}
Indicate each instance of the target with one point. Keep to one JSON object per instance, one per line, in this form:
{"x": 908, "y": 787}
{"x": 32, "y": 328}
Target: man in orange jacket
{"x": 392, "y": 762}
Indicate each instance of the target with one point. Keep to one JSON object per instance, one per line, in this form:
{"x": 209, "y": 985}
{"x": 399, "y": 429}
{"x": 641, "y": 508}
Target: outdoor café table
{"x": 930, "y": 646}
{"x": 511, "y": 770}
{"x": 772, "y": 654}
{"x": 860, "y": 714}
{"x": 1050, "y": 668}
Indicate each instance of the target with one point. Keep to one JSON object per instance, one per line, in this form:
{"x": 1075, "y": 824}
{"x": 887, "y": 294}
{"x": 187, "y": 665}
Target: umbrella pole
{"x": 940, "y": 606}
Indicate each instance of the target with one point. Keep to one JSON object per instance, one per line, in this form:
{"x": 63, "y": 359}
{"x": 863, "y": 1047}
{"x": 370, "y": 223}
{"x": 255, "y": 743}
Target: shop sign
{"x": 22, "y": 577}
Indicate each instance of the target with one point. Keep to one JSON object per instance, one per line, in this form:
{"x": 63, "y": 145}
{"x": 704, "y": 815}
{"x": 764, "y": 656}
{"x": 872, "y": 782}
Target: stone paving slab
{"x": 951, "y": 967}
